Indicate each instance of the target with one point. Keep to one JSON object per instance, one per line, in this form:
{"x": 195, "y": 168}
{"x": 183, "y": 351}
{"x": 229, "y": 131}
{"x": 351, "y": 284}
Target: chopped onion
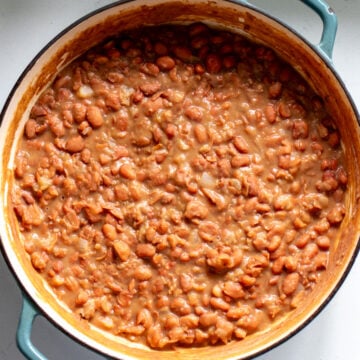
{"x": 85, "y": 91}
{"x": 207, "y": 180}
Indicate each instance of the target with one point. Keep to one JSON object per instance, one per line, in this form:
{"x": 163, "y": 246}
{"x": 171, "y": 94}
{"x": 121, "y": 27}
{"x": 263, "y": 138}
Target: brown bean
{"x": 241, "y": 144}
{"x": 165, "y": 63}
{"x": 209, "y": 231}
{"x": 336, "y": 214}
{"x": 270, "y": 113}
{"x": 30, "y": 129}
{"x": 224, "y": 329}
{"x": 145, "y": 250}
{"x": 290, "y": 283}
{"x": 310, "y": 251}
{"x": 323, "y": 242}
{"x": 194, "y": 113}
{"x": 81, "y": 298}
{"x": 275, "y": 90}
{"x": 180, "y": 306}
{"x": 208, "y": 319}
{"x": 213, "y": 63}
{"x": 240, "y": 160}
{"x": 233, "y": 289}
{"x": 75, "y": 144}
{"x": 144, "y": 318}
{"x": 200, "y": 133}
{"x": 160, "y": 48}
{"x": 127, "y": 171}
{"x": 300, "y": 129}
{"x": 183, "y": 53}
{"x": 219, "y": 303}
{"x": 122, "y": 249}
{"x": 39, "y": 260}
{"x": 150, "y": 88}
{"x": 149, "y": 69}
{"x": 284, "y": 110}
{"x": 190, "y": 321}
{"x": 109, "y": 231}
{"x": 79, "y": 112}
{"x": 186, "y": 282}
{"x": 196, "y": 210}
{"x": 94, "y": 116}
{"x": 142, "y": 273}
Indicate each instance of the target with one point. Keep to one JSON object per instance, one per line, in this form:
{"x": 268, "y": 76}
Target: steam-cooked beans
{"x": 179, "y": 186}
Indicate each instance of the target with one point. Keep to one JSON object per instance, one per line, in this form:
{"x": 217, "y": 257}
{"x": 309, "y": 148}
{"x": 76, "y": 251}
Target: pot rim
{"x": 91, "y": 344}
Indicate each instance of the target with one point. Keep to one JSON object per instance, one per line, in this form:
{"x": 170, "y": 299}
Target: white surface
{"x": 27, "y": 25}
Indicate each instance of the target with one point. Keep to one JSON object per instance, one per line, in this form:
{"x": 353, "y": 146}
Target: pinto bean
{"x": 94, "y": 116}
{"x": 145, "y": 250}
{"x": 200, "y": 133}
{"x": 165, "y": 63}
{"x": 194, "y": 113}
{"x": 75, "y": 144}
{"x": 213, "y": 63}
{"x": 290, "y": 283}
{"x": 127, "y": 171}
{"x": 241, "y": 144}
{"x": 196, "y": 210}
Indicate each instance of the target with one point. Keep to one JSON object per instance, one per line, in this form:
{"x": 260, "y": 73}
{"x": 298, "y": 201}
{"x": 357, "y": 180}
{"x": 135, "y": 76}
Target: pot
{"x": 313, "y": 62}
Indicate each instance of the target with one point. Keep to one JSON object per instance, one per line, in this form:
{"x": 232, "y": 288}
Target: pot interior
{"x": 251, "y": 23}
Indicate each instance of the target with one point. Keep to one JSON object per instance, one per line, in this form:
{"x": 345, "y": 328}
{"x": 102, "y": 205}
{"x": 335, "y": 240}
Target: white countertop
{"x": 27, "y": 25}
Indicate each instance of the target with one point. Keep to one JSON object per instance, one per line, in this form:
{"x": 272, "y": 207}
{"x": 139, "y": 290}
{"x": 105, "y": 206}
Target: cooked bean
{"x": 208, "y": 319}
{"x": 150, "y": 88}
{"x": 165, "y": 63}
{"x": 323, "y": 242}
{"x": 127, "y": 171}
{"x": 180, "y": 306}
{"x": 219, "y": 303}
{"x": 290, "y": 283}
{"x": 233, "y": 289}
{"x": 142, "y": 273}
{"x": 94, "y": 116}
{"x": 213, "y": 63}
{"x": 109, "y": 231}
{"x": 241, "y": 144}
{"x": 196, "y": 210}
{"x": 183, "y": 53}
{"x": 75, "y": 144}
{"x": 194, "y": 113}
{"x": 122, "y": 249}
{"x": 145, "y": 250}
{"x": 200, "y": 133}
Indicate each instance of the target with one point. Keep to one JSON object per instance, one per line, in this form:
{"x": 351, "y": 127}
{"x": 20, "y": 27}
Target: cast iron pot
{"x": 313, "y": 62}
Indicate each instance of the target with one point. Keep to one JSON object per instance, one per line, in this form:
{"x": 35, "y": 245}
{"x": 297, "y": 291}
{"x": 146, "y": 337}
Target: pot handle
{"x": 23, "y": 334}
{"x": 329, "y": 20}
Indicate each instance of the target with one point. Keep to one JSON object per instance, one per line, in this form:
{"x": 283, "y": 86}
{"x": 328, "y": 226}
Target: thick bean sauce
{"x": 179, "y": 185}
